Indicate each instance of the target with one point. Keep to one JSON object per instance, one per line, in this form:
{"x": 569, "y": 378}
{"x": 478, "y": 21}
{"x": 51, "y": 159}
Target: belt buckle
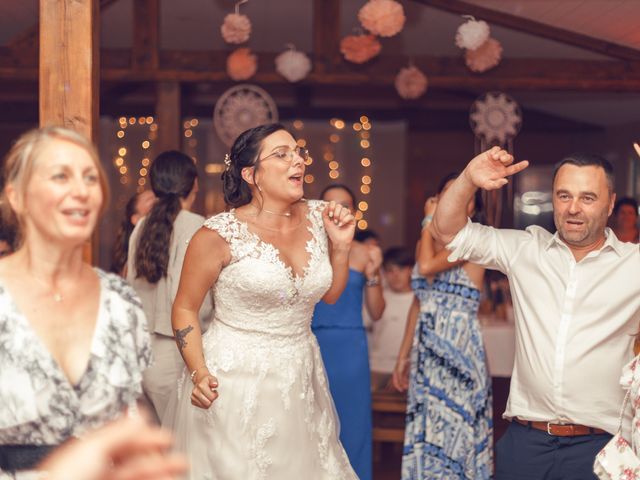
{"x": 549, "y": 428}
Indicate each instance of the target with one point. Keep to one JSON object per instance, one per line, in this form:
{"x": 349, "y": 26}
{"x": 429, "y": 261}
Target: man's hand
{"x": 490, "y": 169}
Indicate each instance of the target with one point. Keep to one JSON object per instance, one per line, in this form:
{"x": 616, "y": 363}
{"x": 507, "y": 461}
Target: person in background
{"x": 157, "y": 247}
{"x": 576, "y": 299}
{"x": 368, "y": 237}
{"x": 387, "y": 331}
{"x": 136, "y": 208}
{"x": 343, "y": 342}
{"x": 73, "y": 339}
{"x": 625, "y": 214}
{"x": 449, "y": 424}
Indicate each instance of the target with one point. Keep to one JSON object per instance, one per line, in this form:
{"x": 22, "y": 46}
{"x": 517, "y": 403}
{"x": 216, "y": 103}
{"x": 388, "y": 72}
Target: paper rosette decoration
{"x": 242, "y": 107}
{"x": 411, "y": 83}
{"x": 236, "y": 28}
{"x": 242, "y": 64}
{"x": 293, "y": 65}
{"x": 485, "y": 57}
{"x": 360, "y": 48}
{"x": 472, "y": 34}
{"x": 382, "y": 17}
{"x": 495, "y": 117}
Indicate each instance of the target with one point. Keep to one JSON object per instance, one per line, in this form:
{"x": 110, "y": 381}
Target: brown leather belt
{"x": 559, "y": 430}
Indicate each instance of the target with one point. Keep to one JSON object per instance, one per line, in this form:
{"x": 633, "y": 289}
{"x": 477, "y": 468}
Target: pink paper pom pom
{"x": 382, "y": 17}
{"x": 411, "y": 83}
{"x": 236, "y": 28}
{"x": 485, "y": 57}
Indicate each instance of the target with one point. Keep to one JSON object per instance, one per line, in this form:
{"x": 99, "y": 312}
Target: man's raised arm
{"x": 488, "y": 171}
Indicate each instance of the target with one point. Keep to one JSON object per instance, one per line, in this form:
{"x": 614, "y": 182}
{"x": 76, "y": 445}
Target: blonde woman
{"x": 73, "y": 339}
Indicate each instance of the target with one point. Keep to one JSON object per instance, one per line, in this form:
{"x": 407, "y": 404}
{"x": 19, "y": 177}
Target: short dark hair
{"x": 364, "y": 235}
{"x": 581, "y": 159}
{"x": 626, "y": 201}
{"x": 400, "y": 256}
{"x": 341, "y": 186}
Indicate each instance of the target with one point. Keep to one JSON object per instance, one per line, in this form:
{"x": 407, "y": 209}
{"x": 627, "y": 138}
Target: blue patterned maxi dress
{"x": 449, "y": 425}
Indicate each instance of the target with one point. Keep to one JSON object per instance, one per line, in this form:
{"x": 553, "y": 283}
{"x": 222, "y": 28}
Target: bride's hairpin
{"x": 227, "y": 160}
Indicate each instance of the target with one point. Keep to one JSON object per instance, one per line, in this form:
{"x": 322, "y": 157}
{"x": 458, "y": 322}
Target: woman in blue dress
{"x": 449, "y": 426}
{"x": 343, "y": 343}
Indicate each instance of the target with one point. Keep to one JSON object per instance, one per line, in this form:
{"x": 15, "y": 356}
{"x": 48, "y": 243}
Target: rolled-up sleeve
{"x": 487, "y": 246}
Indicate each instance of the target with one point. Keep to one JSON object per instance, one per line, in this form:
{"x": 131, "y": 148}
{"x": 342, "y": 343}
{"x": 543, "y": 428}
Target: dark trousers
{"x": 524, "y": 453}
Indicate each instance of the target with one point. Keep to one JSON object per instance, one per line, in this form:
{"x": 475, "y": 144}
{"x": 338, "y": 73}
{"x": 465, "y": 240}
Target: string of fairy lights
{"x": 362, "y": 128}
{"x": 123, "y": 161}
{"x": 132, "y": 170}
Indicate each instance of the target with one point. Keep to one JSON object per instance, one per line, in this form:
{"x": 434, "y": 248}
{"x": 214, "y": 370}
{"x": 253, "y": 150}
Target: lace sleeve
{"x": 234, "y": 232}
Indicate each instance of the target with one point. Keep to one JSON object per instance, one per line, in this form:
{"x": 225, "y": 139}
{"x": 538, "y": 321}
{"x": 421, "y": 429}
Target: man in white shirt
{"x": 388, "y": 330}
{"x": 576, "y": 298}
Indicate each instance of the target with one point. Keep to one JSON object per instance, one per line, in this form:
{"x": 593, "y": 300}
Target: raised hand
{"x": 430, "y": 206}
{"x": 374, "y": 261}
{"x": 339, "y": 223}
{"x": 490, "y": 169}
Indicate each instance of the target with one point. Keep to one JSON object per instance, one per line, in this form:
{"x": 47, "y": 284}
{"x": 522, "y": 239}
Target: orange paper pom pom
{"x": 360, "y": 48}
{"x": 242, "y": 64}
{"x": 485, "y": 57}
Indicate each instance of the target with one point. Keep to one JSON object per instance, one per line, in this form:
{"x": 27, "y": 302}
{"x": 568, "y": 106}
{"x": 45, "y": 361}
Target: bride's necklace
{"x": 285, "y": 214}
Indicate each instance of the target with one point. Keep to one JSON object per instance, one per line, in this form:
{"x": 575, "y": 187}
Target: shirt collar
{"x": 611, "y": 241}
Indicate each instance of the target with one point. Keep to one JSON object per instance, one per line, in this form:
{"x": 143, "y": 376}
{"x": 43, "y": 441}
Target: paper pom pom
{"x": 382, "y": 17}
{"x": 411, "y": 83}
{"x": 236, "y": 28}
{"x": 360, "y": 48}
{"x": 242, "y": 64}
{"x": 472, "y": 34}
{"x": 485, "y": 57}
{"x": 293, "y": 65}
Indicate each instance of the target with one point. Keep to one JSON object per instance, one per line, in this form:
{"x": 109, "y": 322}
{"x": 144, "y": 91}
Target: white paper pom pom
{"x": 293, "y": 65}
{"x": 472, "y": 34}
{"x": 487, "y": 56}
{"x": 382, "y": 17}
{"x": 411, "y": 83}
{"x": 236, "y": 28}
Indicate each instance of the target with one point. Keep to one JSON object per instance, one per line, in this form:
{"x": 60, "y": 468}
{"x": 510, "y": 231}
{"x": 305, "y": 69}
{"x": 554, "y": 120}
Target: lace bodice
{"x": 257, "y": 291}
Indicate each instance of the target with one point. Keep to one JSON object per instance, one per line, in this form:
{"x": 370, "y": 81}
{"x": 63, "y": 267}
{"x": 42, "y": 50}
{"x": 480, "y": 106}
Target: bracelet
{"x": 373, "y": 282}
{"x": 193, "y": 374}
{"x": 426, "y": 220}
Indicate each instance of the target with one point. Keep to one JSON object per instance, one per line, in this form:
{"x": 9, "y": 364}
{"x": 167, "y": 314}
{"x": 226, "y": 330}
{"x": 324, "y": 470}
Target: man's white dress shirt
{"x": 575, "y": 322}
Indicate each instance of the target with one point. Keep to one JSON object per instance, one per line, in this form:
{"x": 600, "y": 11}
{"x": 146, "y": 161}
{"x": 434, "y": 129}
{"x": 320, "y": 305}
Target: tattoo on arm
{"x": 181, "y": 335}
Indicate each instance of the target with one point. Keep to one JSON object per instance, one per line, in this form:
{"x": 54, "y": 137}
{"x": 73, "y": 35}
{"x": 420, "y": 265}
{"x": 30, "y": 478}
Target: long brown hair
{"x": 172, "y": 175}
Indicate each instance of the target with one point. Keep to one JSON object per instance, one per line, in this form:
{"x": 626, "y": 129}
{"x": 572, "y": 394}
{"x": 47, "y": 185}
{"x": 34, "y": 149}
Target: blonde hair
{"x": 20, "y": 162}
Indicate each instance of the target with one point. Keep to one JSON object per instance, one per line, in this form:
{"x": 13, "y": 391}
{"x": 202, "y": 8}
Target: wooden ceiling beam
{"x": 447, "y": 73}
{"x": 538, "y": 29}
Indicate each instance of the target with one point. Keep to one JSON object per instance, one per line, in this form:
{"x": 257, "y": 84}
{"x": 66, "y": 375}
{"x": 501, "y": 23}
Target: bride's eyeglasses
{"x": 287, "y": 155}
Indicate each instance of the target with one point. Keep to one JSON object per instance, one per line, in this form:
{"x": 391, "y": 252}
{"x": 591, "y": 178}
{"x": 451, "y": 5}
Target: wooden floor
{"x": 390, "y": 454}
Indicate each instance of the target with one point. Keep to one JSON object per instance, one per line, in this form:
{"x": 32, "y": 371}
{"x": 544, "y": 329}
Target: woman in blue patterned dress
{"x": 449, "y": 426}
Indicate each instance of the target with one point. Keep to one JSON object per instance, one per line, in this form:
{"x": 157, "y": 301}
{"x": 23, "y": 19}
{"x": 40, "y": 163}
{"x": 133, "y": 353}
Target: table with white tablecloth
{"x": 500, "y": 345}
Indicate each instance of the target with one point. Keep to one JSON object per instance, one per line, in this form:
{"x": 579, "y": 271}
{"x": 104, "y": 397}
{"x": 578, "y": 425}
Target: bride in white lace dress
{"x": 265, "y": 411}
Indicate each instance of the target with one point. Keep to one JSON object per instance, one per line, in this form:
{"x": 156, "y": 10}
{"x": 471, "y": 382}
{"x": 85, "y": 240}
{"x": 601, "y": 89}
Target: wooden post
{"x": 146, "y": 37}
{"x": 168, "y": 113}
{"x": 326, "y": 35}
{"x": 70, "y": 71}
{"x": 69, "y": 64}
